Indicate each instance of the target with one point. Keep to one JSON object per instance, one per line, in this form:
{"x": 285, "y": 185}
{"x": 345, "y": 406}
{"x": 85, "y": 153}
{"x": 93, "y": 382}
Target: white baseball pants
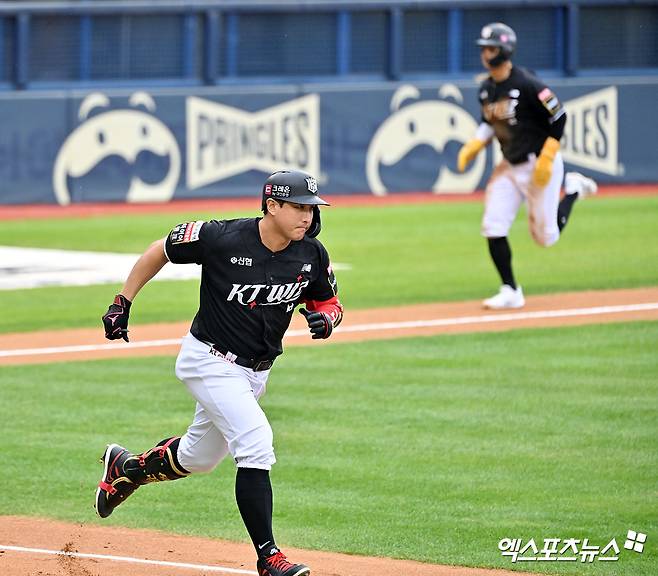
{"x": 228, "y": 418}
{"x": 511, "y": 185}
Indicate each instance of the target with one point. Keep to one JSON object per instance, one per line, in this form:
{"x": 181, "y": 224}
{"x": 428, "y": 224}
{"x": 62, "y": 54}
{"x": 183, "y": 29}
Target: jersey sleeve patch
{"x": 550, "y": 101}
{"x": 331, "y": 278}
{"x": 186, "y": 232}
{"x": 545, "y": 93}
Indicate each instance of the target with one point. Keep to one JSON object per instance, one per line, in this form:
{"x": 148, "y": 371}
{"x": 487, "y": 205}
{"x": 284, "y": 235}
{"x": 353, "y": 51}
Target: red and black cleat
{"x": 114, "y": 486}
{"x": 276, "y": 564}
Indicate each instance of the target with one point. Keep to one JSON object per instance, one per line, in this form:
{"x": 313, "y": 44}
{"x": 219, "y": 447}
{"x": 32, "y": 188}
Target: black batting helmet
{"x": 295, "y": 186}
{"x": 500, "y": 36}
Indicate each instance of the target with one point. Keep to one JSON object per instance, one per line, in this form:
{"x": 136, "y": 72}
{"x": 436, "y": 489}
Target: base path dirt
{"x": 569, "y": 308}
{"x": 28, "y": 547}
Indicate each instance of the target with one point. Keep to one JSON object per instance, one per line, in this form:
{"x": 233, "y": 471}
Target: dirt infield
{"x": 564, "y": 309}
{"x": 202, "y": 556}
{"x": 39, "y": 547}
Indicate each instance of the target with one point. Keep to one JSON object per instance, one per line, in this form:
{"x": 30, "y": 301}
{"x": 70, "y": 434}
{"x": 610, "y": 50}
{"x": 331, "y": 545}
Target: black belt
{"x": 255, "y": 365}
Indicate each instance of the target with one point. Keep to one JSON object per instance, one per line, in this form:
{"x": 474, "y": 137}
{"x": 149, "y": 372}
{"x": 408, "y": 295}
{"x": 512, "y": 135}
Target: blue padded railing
{"x": 176, "y": 42}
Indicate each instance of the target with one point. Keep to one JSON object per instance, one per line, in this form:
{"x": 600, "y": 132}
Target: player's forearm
{"x": 333, "y": 307}
{"x": 148, "y": 265}
{"x": 472, "y": 148}
{"x": 556, "y": 129}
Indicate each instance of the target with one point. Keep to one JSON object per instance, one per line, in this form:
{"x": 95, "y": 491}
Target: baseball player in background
{"x": 255, "y": 271}
{"x": 528, "y": 120}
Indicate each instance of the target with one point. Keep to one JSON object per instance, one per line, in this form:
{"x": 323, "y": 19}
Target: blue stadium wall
{"x": 144, "y": 101}
{"x": 156, "y": 144}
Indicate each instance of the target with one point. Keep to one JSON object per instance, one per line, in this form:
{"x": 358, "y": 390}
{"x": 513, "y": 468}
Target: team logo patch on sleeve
{"x": 550, "y": 101}
{"x": 186, "y": 232}
{"x": 332, "y": 279}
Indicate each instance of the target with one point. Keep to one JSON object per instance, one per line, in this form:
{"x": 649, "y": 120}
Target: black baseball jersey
{"x": 523, "y": 112}
{"x": 248, "y": 293}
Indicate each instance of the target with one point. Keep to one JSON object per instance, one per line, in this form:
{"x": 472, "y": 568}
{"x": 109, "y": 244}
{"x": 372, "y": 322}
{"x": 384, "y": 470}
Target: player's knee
{"x": 255, "y": 449}
{"x": 549, "y": 241}
{"x": 492, "y": 229}
{"x": 546, "y": 238}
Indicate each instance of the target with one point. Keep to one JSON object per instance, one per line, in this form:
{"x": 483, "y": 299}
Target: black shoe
{"x": 114, "y": 486}
{"x": 278, "y": 565}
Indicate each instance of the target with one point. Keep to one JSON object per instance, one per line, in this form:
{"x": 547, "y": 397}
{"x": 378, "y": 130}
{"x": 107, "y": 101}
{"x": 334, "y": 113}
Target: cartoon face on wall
{"x": 123, "y": 134}
{"x": 433, "y": 123}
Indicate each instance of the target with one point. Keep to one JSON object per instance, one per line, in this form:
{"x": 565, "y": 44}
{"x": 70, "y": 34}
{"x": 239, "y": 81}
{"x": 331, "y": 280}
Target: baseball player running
{"x": 528, "y": 120}
{"x": 254, "y": 273}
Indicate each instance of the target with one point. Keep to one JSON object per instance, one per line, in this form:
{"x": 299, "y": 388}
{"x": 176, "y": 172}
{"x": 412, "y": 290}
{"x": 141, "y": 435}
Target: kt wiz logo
{"x": 266, "y": 295}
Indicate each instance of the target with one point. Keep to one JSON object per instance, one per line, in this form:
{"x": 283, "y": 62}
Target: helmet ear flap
{"x": 316, "y": 224}
{"x": 502, "y": 56}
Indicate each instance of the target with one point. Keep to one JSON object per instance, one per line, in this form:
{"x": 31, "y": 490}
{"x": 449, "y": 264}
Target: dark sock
{"x": 253, "y": 493}
{"x": 501, "y": 254}
{"x": 564, "y": 209}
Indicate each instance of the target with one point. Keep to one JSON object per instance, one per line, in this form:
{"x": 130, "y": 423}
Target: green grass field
{"x": 426, "y": 448}
{"x": 399, "y": 255}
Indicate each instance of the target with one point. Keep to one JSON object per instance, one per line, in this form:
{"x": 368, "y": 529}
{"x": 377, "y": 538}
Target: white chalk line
{"x": 200, "y": 567}
{"x": 458, "y": 321}
{"x": 117, "y": 347}
{"x": 501, "y": 317}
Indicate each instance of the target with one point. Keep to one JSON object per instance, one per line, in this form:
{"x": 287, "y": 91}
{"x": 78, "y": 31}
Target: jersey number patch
{"x": 186, "y": 232}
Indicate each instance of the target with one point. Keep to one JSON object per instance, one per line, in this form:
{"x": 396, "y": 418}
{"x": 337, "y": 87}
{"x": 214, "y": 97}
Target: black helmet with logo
{"x": 295, "y": 186}
{"x": 292, "y": 186}
{"x": 500, "y": 36}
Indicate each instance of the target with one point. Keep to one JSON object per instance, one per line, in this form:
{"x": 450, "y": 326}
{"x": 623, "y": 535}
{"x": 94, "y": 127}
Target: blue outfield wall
{"x": 150, "y": 146}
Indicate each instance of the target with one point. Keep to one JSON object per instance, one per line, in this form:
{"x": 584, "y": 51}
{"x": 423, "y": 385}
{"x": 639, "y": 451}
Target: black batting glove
{"x": 115, "y": 319}
{"x": 320, "y": 323}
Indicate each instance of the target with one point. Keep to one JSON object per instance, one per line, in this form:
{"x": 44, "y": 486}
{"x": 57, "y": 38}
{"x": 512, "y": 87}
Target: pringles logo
{"x": 223, "y": 141}
{"x": 591, "y": 137}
